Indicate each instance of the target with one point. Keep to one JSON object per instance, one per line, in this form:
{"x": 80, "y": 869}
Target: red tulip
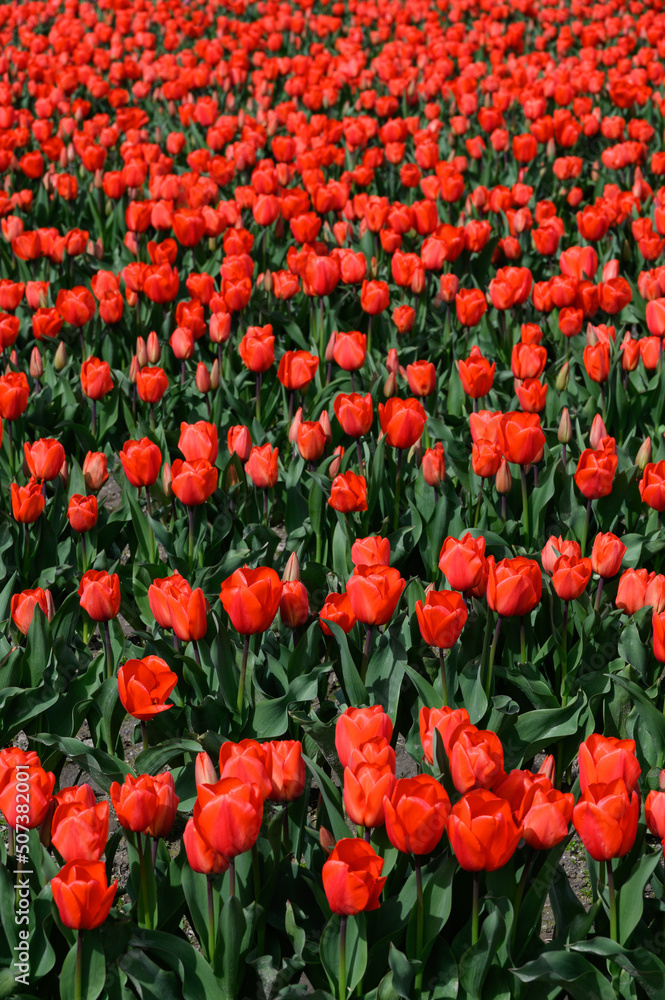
{"x": 193, "y": 482}
{"x": 463, "y": 562}
{"x": 354, "y": 413}
{"x": 27, "y": 501}
{"x": 23, "y": 606}
{"x": 441, "y": 618}
{"x": 595, "y": 473}
{"x": 368, "y": 777}
{"x": 475, "y": 757}
{"x": 99, "y": 592}
{"x": 80, "y": 825}
{"x": 262, "y": 467}
{"x": 175, "y": 605}
{"x": 82, "y": 894}
{"x": 198, "y": 441}
{"x": 37, "y": 797}
{"x": 44, "y": 458}
{"x": 514, "y": 586}
{"x": 141, "y": 461}
{"x": 570, "y": 576}
{"x": 351, "y": 877}
{"x": 144, "y": 685}
{"x": 603, "y": 758}
{"x": 201, "y": 857}
{"x": 348, "y": 493}
{"x": 374, "y": 592}
{"x": 251, "y": 598}
{"x": 606, "y": 817}
{"x": 287, "y": 770}
{"x": 145, "y": 804}
{"x": 337, "y": 608}
{"x": 482, "y": 831}
{"x": 446, "y": 721}
{"x": 82, "y": 512}
{"x": 228, "y": 815}
{"x": 402, "y": 421}
{"x": 96, "y": 379}
{"x": 356, "y": 726}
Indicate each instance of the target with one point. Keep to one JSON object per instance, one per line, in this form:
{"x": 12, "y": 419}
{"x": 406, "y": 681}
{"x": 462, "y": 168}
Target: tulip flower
{"x": 368, "y": 777}
{"x": 446, "y": 721}
{"x": 654, "y": 809}
{"x": 251, "y": 598}
{"x": 356, "y": 726}
{"x": 463, "y": 563}
{"x": 476, "y": 374}
{"x": 228, "y": 815}
{"x": 176, "y": 606}
{"x": 143, "y": 687}
{"x": 95, "y": 472}
{"x": 416, "y": 814}
{"x": 286, "y": 770}
{"x": 652, "y": 486}
{"x": 27, "y": 501}
{"x": 441, "y": 620}
{"x": 337, "y": 609}
{"x": 22, "y": 607}
{"x": 80, "y": 824}
{"x": 374, "y": 592}
{"x": 38, "y": 795}
{"x": 348, "y": 493}
{"x": 99, "y": 593}
{"x": 44, "y": 458}
{"x": 602, "y": 759}
{"x": 351, "y": 879}
{"x": 354, "y": 413}
{"x": 294, "y": 604}
{"x": 82, "y": 894}
{"x": 141, "y": 461}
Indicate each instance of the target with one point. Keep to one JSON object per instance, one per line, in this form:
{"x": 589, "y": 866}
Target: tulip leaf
{"x": 332, "y": 799}
{"x": 100, "y": 766}
{"x": 580, "y": 978}
{"x": 356, "y": 950}
{"x": 93, "y": 969}
{"x": 476, "y": 961}
{"x": 139, "y": 522}
{"x": 193, "y": 971}
{"x": 154, "y": 759}
{"x": 353, "y": 687}
{"x": 539, "y": 729}
{"x": 631, "y": 895}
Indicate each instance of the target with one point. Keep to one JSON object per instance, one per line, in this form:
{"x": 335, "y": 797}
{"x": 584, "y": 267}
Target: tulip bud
{"x": 611, "y": 270}
{"x": 268, "y": 282}
{"x": 448, "y": 286}
{"x": 153, "y": 349}
{"x": 644, "y": 454}
{"x": 203, "y": 383}
{"x": 60, "y": 359}
{"x": 13, "y": 359}
{"x": 390, "y": 385}
{"x": 324, "y": 421}
{"x": 548, "y": 767}
{"x": 326, "y": 840}
{"x": 562, "y": 377}
{"x": 36, "y": 363}
{"x": 166, "y": 480}
{"x": 64, "y": 474}
{"x": 598, "y": 431}
{"x": 661, "y": 781}
{"x": 231, "y": 478}
{"x": 418, "y": 282}
{"x": 373, "y": 268}
{"x": 215, "y": 380}
{"x": 333, "y": 468}
{"x": 392, "y": 363}
{"x": 292, "y": 569}
{"x": 133, "y": 369}
{"x": 141, "y": 352}
{"x": 565, "y": 433}
{"x": 204, "y": 770}
{"x": 504, "y": 480}
{"x": 295, "y": 424}
{"x": 330, "y": 347}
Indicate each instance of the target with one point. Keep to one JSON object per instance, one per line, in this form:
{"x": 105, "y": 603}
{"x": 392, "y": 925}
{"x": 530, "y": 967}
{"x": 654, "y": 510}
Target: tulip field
{"x": 332, "y": 468}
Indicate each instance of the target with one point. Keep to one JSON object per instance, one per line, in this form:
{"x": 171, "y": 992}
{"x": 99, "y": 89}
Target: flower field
{"x": 332, "y": 465}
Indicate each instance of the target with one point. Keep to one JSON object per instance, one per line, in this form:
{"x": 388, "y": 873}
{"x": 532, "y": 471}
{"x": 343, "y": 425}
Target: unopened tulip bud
{"x": 64, "y": 473}
{"x": 292, "y": 569}
{"x": 167, "y": 480}
{"x": 60, "y": 359}
{"x": 326, "y": 840}
{"x": 661, "y": 781}
{"x": 548, "y": 767}
{"x": 13, "y": 359}
{"x": 373, "y": 268}
{"x": 330, "y": 347}
{"x": 334, "y": 466}
{"x": 203, "y": 378}
{"x": 295, "y": 424}
{"x": 231, "y": 477}
{"x": 562, "y": 377}
{"x": 268, "y": 282}
{"x": 153, "y": 349}
{"x": 418, "y": 282}
{"x": 565, "y": 432}
{"x": 99, "y": 249}
{"x": 611, "y": 270}
{"x": 448, "y": 287}
{"x": 591, "y": 335}
{"x": 141, "y": 352}
{"x": 390, "y": 385}
{"x": 598, "y": 431}
{"x": 504, "y": 480}
{"x": 428, "y": 589}
{"x": 132, "y": 297}
{"x": 36, "y": 363}
{"x": 204, "y": 770}
{"x": 324, "y": 421}
{"x": 133, "y": 369}
{"x": 644, "y": 454}
{"x": 392, "y": 362}
{"x": 215, "y": 380}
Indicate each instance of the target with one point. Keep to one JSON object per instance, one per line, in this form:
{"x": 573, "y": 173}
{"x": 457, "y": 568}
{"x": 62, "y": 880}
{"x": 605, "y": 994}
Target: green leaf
{"x": 539, "y": 729}
{"x": 476, "y": 961}
{"x": 195, "y": 974}
{"x": 332, "y": 799}
{"x": 356, "y": 950}
{"x": 354, "y": 689}
{"x": 93, "y": 969}
{"x": 630, "y": 896}
{"x": 653, "y": 719}
{"x": 154, "y": 759}
{"x": 580, "y": 978}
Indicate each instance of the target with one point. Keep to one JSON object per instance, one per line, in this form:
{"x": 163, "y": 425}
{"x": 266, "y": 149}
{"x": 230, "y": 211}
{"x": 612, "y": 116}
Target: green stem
{"x": 490, "y": 665}
{"x": 258, "y": 397}
{"x": 78, "y": 980}
{"x": 474, "y": 912}
{"x": 144, "y": 734}
{"x": 151, "y": 534}
{"x": 599, "y": 592}
{"x": 243, "y": 671}
{"x": 525, "y": 507}
{"x": 190, "y": 550}
{"x": 366, "y": 649}
{"x": 477, "y": 515}
{"x": 564, "y": 654}
{"x": 84, "y": 553}
{"x": 522, "y": 641}
{"x": 285, "y": 827}
{"x": 212, "y": 933}
{"x": 147, "y": 916}
{"x": 398, "y": 489}
{"x": 585, "y": 530}
{"x": 444, "y": 683}
{"x": 342, "y": 959}
{"x": 109, "y": 657}
{"x": 614, "y": 932}
{"x": 419, "y": 927}
{"x": 520, "y": 893}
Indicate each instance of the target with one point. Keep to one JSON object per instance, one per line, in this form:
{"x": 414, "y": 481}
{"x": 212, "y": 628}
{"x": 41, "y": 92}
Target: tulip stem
{"x": 84, "y": 554}
{"x": 212, "y": 934}
{"x": 585, "y": 529}
{"x": 342, "y": 958}
{"x": 520, "y": 893}
{"x": 151, "y": 535}
{"x": 144, "y": 733}
{"x": 474, "y": 911}
{"x": 152, "y": 417}
{"x": 477, "y": 515}
{"x": 614, "y": 933}
{"x": 285, "y": 827}
{"x": 10, "y": 448}
{"x": 398, "y": 489}
{"x": 147, "y": 916}
{"x": 418, "y": 984}
{"x": 243, "y": 671}
{"x": 94, "y": 418}
{"x": 366, "y": 649}
{"x": 444, "y": 683}
{"x": 522, "y": 641}
{"x": 109, "y": 657}
{"x": 258, "y": 396}
{"x": 525, "y": 506}
{"x": 564, "y": 653}
{"x": 78, "y": 978}
{"x": 190, "y": 552}
{"x": 599, "y": 591}
{"x": 490, "y": 665}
